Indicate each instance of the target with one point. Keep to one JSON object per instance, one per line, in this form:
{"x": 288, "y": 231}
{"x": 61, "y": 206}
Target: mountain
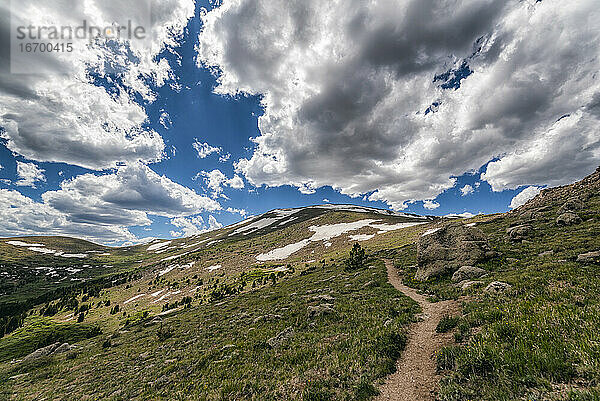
{"x": 285, "y": 306}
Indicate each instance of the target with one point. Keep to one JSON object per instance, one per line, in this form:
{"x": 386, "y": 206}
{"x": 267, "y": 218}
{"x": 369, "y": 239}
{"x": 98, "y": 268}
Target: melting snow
{"x": 21, "y": 243}
{"x": 212, "y": 268}
{"x": 168, "y": 294}
{"x": 133, "y": 299}
{"x": 361, "y": 237}
{"x": 430, "y": 231}
{"x": 72, "y": 255}
{"x": 157, "y": 293}
{"x": 167, "y": 269}
{"x": 154, "y": 247}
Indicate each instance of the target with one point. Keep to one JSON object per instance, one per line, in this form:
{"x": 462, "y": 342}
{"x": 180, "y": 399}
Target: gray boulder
{"x": 520, "y": 232}
{"x": 568, "y": 219}
{"x": 466, "y": 284}
{"x": 498, "y": 287}
{"x": 54, "y": 349}
{"x": 280, "y": 338}
{"x": 447, "y": 249}
{"x": 589, "y": 257}
{"x": 468, "y": 272}
{"x": 571, "y": 205}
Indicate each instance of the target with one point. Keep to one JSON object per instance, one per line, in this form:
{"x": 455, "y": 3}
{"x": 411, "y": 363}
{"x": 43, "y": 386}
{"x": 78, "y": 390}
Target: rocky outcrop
{"x": 447, "y": 249}
{"x": 498, "y": 287}
{"x": 571, "y": 205}
{"x": 50, "y": 350}
{"x": 568, "y": 219}
{"x": 320, "y": 310}
{"x": 589, "y": 257}
{"x": 468, "y": 273}
{"x": 520, "y": 232}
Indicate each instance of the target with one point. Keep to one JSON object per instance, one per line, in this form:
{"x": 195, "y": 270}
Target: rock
{"x": 589, "y": 257}
{"x": 266, "y": 318}
{"x": 280, "y": 338}
{"x": 512, "y": 260}
{"x": 467, "y": 272}
{"x": 369, "y": 284}
{"x": 54, "y": 349}
{"x": 323, "y": 297}
{"x": 498, "y": 287}
{"x": 520, "y": 232}
{"x": 546, "y": 253}
{"x": 320, "y": 310}
{"x": 466, "y": 284}
{"x": 571, "y": 205}
{"x": 568, "y": 219}
{"x": 449, "y": 248}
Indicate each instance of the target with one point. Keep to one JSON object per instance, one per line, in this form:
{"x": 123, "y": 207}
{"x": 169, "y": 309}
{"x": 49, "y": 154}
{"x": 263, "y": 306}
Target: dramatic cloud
{"x": 216, "y": 180}
{"x": 397, "y": 97}
{"x": 29, "y": 174}
{"x": 466, "y": 190}
{"x": 21, "y": 215}
{"x": 90, "y": 114}
{"x": 430, "y": 204}
{"x": 522, "y": 197}
{"x": 194, "y": 225}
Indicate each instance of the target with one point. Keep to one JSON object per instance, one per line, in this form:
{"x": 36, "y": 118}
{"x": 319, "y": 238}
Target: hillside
{"x": 267, "y": 309}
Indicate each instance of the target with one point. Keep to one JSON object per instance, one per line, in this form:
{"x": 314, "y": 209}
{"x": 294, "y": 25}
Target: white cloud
{"x": 351, "y": 98}
{"x": 204, "y": 149}
{"x": 70, "y": 119}
{"x": 216, "y": 180}
{"x": 430, "y": 204}
{"x": 194, "y": 225}
{"x": 29, "y": 174}
{"x": 326, "y": 200}
{"x": 466, "y": 190}
{"x": 522, "y": 197}
{"x": 1, "y": 167}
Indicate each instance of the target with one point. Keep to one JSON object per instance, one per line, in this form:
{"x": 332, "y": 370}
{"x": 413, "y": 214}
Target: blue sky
{"x": 452, "y": 178}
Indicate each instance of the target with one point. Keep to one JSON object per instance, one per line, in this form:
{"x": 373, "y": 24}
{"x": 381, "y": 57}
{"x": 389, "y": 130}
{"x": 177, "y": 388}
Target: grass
{"x": 219, "y": 351}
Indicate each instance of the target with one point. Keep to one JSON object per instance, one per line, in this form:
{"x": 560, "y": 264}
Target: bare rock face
{"x": 467, "y": 273}
{"x": 568, "y": 219}
{"x": 571, "y": 205}
{"x": 447, "y": 249}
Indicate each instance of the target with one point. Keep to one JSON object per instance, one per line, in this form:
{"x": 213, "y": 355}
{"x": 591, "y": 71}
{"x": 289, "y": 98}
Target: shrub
{"x": 357, "y": 258}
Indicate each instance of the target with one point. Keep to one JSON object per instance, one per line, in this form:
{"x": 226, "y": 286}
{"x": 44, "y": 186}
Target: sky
{"x": 232, "y": 108}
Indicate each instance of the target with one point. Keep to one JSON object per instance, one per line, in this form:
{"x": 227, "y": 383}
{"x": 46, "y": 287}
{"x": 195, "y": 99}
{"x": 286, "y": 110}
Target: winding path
{"x": 415, "y": 377}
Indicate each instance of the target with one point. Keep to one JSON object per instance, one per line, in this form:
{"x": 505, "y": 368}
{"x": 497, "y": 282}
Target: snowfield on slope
{"x": 329, "y": 231}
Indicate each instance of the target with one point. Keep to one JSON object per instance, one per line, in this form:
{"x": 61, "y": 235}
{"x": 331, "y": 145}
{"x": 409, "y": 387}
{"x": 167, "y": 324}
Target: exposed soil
{"x": 415, "y": 377}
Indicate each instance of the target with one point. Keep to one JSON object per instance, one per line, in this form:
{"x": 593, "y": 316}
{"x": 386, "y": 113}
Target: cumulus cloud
{"x": 522, "y": 197}
{"x": 194, "y": 225}
{"x": 29, "y": 174}
{"x": 398, "y": 97}
{"x": 216, "y": 181}
{"x": 430, "y": 204}
{"x": 72, "y": 117}
{"x": 466, "y": 190}
{"x": 204, "y": 150}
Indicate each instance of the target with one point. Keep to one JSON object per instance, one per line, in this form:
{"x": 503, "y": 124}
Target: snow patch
{"x": 133, "y": 299}
{"x": 159, "y": 245}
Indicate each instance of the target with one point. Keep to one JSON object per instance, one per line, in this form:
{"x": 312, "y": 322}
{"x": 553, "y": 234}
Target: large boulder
{"x": 498, "y": 287}
{"x": 571, "y": 205}
{"x": 447, "y": 249}
{"x": 54, "y": 349}
{"x": 468, "y": 273}
{"x": 520, "y": 232}
{"x": 568, "y": 219}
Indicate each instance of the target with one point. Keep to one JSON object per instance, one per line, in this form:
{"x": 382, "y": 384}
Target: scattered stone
{"x": 589, "y": 257}
{"x": 468, "y": 272}
{"x": 280, "y": 338}
{"x": 54, "y": 349}
{"x": 369, "y": 284}
{"x": 323, "y": 297}
{"x": 520, "y": 232}
{"x": 498, "y": 287}
{"x": 546, "y": 253}
{"x": 512, "y": 260}
{"x": 449, "y": 248}
{"x": 568, "y": 219}
{"x": 320, "y": 310}
{"x": 266, "y": 318}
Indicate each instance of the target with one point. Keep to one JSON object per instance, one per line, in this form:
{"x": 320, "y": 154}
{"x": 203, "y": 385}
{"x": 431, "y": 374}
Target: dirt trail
{"x": 416, "y": 378}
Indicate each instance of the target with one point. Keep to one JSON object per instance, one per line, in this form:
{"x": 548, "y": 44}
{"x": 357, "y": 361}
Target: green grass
{"x": 219, "y": 351}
